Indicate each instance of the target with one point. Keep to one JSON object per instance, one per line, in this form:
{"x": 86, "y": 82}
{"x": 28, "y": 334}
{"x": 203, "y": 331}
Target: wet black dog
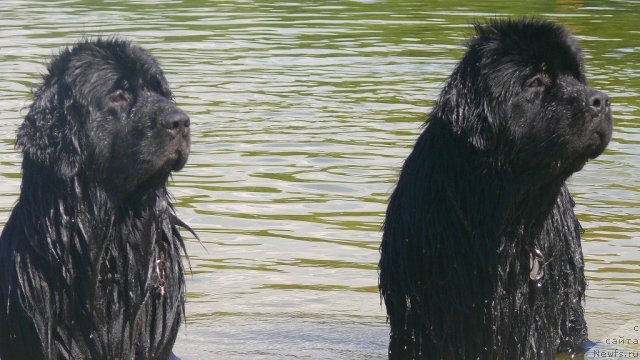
{"x": 481, "y": 254}
{"x": 90, "y": 264}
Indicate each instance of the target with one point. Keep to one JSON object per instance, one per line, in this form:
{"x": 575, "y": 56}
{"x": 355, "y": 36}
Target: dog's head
{"x": 105, "y": 110}
{"x": 521, "y": 92}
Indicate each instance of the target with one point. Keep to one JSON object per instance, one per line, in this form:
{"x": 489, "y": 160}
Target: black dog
{"x": 90, "y": 264}
{"x": 481, "y": 254}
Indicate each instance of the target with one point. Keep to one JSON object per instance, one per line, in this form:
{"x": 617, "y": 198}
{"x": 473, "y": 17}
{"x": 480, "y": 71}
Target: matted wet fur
{"x": 90, "y": 264}
{"x": 481, "y": 255}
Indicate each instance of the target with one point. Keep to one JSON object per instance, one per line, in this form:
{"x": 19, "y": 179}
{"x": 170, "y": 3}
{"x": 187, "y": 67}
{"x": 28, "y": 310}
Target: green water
{"x": 302, "y": 115}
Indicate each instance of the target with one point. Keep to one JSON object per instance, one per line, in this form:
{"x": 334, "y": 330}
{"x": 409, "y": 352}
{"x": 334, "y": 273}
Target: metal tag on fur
{"x": 535, "y": 265}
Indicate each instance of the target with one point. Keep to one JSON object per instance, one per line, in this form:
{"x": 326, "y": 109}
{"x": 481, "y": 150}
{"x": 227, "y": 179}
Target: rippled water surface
{"x": 302, "y": 115}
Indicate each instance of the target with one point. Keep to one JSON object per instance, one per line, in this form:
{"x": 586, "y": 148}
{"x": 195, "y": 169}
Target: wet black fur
{"x": 483, "y": 187}
{"x": 78, "y": 276}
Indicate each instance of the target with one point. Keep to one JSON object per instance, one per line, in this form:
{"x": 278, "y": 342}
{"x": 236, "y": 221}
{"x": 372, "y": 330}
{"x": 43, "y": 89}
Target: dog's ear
{"x": 463, "y": 104}
{"x": 48, "y": 137}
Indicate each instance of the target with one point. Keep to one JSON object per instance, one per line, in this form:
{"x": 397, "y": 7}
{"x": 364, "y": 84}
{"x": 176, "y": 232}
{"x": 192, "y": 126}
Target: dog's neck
{"x": 115, "y": 261}
{"x": 87, "y": 213}
{"x": 506, "y": 196}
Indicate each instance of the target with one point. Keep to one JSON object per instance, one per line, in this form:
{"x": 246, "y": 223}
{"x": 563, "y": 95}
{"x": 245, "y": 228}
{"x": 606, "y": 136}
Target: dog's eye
{"x": 119, "y": 98}
{"x": 538, "y": 81}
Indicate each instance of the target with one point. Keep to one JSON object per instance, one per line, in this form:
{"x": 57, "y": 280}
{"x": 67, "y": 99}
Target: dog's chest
{"x": 138, "y": 296}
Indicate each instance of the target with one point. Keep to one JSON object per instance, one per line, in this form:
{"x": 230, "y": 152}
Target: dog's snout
{"x": 177, "y": 121}
{"x": 599, "y": 101}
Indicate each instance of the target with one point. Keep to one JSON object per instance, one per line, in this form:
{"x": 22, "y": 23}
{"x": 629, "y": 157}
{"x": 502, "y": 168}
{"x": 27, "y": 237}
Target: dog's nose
{"x": 599, "y": 101}
{"x": 176, "y": 121}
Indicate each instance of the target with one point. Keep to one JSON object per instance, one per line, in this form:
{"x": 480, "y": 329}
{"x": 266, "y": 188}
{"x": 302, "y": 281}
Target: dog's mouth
{"x": 601, "y": 140}
{"x": 174, "y": 162}
{"x": 601, "y": 136}
{"x": 598, "y": 142}
{"x": 179, "y": 163}
{"x": 180, "y": 160}
{"x": 156, "y": 171}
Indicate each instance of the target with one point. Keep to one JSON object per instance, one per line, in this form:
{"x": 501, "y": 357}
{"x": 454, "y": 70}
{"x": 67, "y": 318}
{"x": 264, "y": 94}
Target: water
{"x": 302, "y": 115}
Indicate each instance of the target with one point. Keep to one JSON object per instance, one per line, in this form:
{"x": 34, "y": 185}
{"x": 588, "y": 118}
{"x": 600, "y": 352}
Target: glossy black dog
{"x": 481, "y": 254}
{"x": 90, "y": 264}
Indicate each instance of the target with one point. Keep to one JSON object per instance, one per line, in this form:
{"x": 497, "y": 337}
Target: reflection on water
{"x": 302, "y": 115}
